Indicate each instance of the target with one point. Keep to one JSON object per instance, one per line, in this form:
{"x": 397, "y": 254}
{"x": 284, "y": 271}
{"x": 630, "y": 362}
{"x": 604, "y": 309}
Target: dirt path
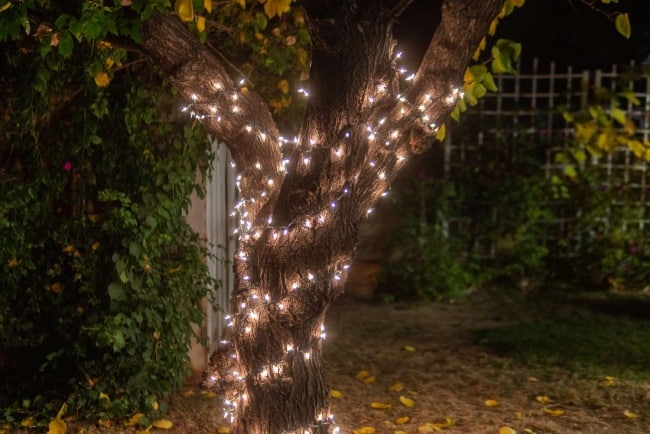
{"x": 449, "y": 375}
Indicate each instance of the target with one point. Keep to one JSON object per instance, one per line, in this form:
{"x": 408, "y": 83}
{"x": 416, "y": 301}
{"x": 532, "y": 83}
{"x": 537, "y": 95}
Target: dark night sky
{"x": 564, "y": 31}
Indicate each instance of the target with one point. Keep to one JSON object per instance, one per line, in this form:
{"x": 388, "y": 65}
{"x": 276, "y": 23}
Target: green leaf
{"x": 489, "y": 83}
{"x": 116, "y": 292}
{"x": 478, "y": 72}
{"x": 479, "y": 90}
{"x": 570, "y": 171}
{"x": 622, "y": 23}
{"x": 66, "y": 44}
{"x": 619, "y": 115}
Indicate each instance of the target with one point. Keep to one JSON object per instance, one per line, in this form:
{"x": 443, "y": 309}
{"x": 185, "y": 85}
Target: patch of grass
{"x": 589, "y": 344}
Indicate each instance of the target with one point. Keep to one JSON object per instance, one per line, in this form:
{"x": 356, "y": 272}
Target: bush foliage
{"x": 101, "y": 277}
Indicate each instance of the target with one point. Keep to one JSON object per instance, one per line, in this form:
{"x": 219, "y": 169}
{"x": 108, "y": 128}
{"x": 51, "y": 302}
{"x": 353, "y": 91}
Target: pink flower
{"x": 67, "y": 166}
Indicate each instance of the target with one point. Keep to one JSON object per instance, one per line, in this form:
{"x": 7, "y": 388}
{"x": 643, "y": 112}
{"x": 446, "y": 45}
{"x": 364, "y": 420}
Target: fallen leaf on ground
{"x": 365, "y": 430}
{"x": 210, "y": 395}
{"x": 408, "y": 402}
{"x": 369, "y": 380}
{"x": 134, "y": 419}
{"x": 628, "y": 413}
{"x": 507, "y": 430}
{"x": 187, "y": 393}
{"x": 411, "y": 392}
{"x": 380, "y": 405}
{"x": 409, "y": 348}
{"x": 163, "y": 424}
{"x": 552, "y": 412}
{"x": 396, "y": 387}
{"x": 402, "y": 420}
{"x": 361, "y": 375}
{"x": 543, "y": 399}
{"x": 57, "y": 426}
{"x": 532, "y": 379}
{"x": 491, "y": 402}
{"x": 529, "y": 431}
{"x": 223, "y": 430}
{"x": 336, "y": 394}
{"x": 105, "y": 423}
{"x": 609, "y": 381}
{"x": 27, "y": 422}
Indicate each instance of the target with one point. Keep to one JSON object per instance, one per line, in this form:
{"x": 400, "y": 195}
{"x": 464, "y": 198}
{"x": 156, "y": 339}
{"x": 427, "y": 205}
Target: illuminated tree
{"x": 301, "y": 201}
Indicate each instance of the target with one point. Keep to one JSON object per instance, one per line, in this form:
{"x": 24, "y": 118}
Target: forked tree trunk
{"x": 298, "y": 226}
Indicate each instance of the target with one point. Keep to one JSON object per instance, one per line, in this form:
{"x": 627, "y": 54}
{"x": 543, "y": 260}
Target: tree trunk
{"x": 298, "y": 231}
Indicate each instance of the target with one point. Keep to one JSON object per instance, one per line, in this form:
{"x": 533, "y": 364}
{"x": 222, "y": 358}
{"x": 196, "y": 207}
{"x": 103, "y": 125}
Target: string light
{"x": 246, "y": 208}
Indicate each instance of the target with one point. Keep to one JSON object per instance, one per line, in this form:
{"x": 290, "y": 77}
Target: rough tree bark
{"x": 298, "y": 220}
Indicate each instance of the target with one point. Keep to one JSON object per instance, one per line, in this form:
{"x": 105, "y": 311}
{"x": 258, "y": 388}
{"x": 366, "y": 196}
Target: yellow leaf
{"x": 493, "y": 27}
{"x": 109, "y": 62}
{"x": 94, "y": 246}
{"x": 409, "y": 348}
{"x": 241, "y": 3}
{"x": 609, "y": 381}
{"x": 207, "y": 4}
{"x": 365, "y": 430}
{"x": 104, "y": 422}
{"x": 135, "y": 419}
{"x": 507, "y": 430}
{"x": 402, "y": 420}
{"x": 361, "y": 375}
{"x": 29, "y": 422}
{"x": 407, "y": 402}
{"x": 12, "y": 262}
{"x": 622, "y": 23}
{"x": 396, "y": 387}
{"x": 396, "y": 432}
{"x": 369, "y": 380}
{"x": 543, "y": 399}
{"x": 427, "y": 428}
{"x": 552, "y": 412}
{"x": 491, "y": 402}
{"x": 147, "y": 430}
{"x": 518, "y": 3}
{"x": 529, "y": 431}
{"x": 57, "y": 426}
{"x": 174, "y": 270}
{"x": 68, "y": 249}
{"x": 440, "y": 135}
{"x": 102, "y": 395}
{"x": 411, "y": 392}
{"x": 283, "y": 85}
{"x": 5, "y": 7}
{"x": 163, "y": 424}
{"x": 276, "y": 7}
{"x": 628, "y": 413}
{"x": 380, "y": 405}
{"x": 211, "y": 395}
{"x": 102, "y": 79}
{"x": 187, "y": 393}
{"x": 223, "y": 430}
{"x": 446, "y": 424}
{"x": 200, "y": 24}
{"x": 154, "y": 405}
{"x": 336, "y": 394}
{"x": 184, "y": 10}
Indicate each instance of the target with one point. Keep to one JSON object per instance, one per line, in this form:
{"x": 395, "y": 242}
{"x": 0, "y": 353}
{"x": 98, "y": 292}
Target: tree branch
{"x": 235, "y": 115}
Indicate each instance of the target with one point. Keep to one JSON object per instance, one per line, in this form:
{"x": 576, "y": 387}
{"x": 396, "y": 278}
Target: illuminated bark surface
{"x": 301, "y": 202}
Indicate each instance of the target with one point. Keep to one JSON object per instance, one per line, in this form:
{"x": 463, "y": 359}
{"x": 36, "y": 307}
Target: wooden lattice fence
{"x": 524, "y": 118}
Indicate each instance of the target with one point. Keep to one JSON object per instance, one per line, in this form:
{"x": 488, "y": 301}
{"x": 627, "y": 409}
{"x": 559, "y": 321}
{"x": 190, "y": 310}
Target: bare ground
{"x": 449, "y": 375}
